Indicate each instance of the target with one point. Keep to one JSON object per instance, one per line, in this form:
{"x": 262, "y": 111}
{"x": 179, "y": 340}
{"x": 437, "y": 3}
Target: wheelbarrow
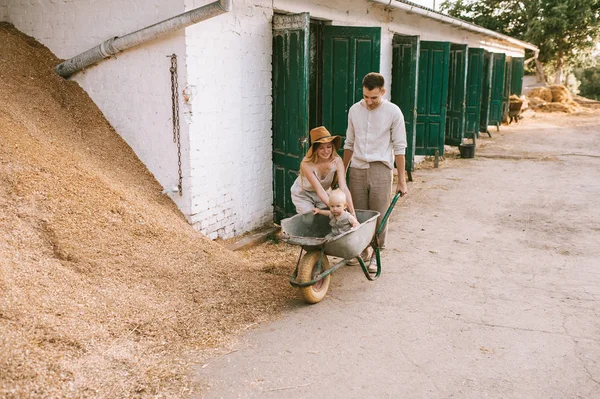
{"x": 313, "y": 271}
{"x": 515, "y": 107}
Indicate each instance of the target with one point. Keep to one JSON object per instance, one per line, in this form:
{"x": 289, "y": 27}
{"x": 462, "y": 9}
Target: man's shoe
{"x": 352, "y": 262}
{"x": 372, "y": 268}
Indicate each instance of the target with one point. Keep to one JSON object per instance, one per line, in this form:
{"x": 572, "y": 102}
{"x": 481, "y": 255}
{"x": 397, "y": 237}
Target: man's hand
{"x": 402, "y": 187}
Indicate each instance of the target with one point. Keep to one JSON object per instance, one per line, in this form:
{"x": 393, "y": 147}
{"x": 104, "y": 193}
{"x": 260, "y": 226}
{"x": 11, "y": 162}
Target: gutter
{"x": 458, "y": 23}
{"x": 117, "y": 44}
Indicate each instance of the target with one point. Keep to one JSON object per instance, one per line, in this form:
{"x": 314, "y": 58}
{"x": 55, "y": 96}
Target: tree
{"x": 564, "y": 30}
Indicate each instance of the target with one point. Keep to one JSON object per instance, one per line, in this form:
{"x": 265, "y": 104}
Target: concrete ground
{"x": 490, "y": 287}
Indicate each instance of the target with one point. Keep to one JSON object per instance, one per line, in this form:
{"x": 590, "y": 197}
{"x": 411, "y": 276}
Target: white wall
{"x": 3, "y": 10}
{"x": 229, "y": 76}
{"x": 133, "y": 89}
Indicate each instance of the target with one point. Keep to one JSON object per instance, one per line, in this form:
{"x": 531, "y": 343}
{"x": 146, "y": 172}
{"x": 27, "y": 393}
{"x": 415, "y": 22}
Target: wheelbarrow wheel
{"x": 307, "y": 271}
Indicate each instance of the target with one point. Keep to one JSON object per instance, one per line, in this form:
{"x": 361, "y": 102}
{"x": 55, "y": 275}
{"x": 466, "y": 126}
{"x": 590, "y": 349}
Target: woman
{"x": 321, "y": 169}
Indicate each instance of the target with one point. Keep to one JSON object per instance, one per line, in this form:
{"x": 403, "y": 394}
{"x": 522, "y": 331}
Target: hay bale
{"x": 536, "y": 101}
{"x": 560, "y": 94}
{"x": 541, "y": 92}
{"x": 575, "y": 107}
{"x": 555, "y": 107}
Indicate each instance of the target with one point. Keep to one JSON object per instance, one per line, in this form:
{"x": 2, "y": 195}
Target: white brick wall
{"x": 229, "y": 74}
{"x": 225, "y": 76}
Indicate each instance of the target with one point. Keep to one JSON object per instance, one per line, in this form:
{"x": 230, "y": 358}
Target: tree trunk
{"x": 558, "y": 74}
{"x": 539, "y": 71}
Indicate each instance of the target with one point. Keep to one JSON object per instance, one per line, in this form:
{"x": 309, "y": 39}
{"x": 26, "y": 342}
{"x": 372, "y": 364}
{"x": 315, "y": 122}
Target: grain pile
{"x": 555, "y": 98}
{"x": 105, "y": 290}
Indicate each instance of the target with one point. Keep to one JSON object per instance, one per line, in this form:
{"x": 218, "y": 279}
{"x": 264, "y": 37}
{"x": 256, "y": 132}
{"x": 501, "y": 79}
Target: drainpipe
{"x": 409, "y": 8}
{"x": 117, "y": 44}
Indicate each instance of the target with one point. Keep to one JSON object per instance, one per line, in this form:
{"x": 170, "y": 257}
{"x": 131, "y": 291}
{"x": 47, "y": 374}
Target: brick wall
{"x": 229, "y": 80}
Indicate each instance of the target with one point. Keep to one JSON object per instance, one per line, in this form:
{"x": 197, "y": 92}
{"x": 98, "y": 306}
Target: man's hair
{"x": 373, "y": 80}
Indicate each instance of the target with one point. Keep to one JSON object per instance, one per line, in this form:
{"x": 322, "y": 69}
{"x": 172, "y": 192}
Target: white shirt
{"x": 375, "y": 135}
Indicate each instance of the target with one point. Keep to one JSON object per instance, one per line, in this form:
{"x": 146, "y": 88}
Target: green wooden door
{"x": 498, "y": 64}
{"x": 405, "y": 61}
{"x": 506, "y": 92}
{"x": 486, "y": 92}
{"x": 349, "y": 53}
{"x": 473, "y": 97}
{"x": 518, "y": 69}
{"x": 290, "y": 105}
{"x": 457, "y": 86}
{"x": 432, "y": 93}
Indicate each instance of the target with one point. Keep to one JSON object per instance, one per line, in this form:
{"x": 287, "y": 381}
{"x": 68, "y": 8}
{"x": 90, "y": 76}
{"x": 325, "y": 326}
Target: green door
{"x": 518, "y": 67}
{"x": 349, "y": 53}
{"x": 507, "y": 89}
{"x": 473, "y": 97}
{"x": 405, "y": 61}
{"x": 486, "y": 92}
{"x": 457, "y": 87}
{"x": 290, "y": 105}
{"x": 498, "y": 61}
{"x": 432, "y": 93}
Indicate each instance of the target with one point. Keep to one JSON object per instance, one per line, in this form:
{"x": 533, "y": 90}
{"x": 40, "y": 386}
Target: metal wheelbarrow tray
{"x": 309, "y": 231}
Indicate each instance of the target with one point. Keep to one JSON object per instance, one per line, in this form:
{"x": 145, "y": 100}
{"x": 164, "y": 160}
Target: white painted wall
{"x": 229, "y": 77}
{"x": 225, "y": 82}
{"x": 133, "y": 89}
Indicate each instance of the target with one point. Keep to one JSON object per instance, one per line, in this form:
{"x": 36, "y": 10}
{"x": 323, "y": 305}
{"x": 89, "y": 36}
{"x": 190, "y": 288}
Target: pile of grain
{"x": 105, "y": 290}
{"x": 543, "y": 93}
{"x": 555, "y": 98}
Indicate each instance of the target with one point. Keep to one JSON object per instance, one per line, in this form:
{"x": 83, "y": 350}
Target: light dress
{"x": 305, "y": 197}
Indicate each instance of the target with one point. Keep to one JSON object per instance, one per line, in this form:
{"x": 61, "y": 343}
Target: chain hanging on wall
{"x": 175, "y": 101}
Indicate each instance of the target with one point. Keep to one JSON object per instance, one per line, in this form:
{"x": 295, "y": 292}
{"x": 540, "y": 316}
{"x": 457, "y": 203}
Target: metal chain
{"x": 175, "y": 101}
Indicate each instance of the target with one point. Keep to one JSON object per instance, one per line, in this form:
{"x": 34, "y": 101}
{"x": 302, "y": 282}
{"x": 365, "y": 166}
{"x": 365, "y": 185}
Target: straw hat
{"x": 321, "y": 135}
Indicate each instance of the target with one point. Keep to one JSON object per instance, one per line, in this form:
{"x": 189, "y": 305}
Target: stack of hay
{"x": 555, "y": 98}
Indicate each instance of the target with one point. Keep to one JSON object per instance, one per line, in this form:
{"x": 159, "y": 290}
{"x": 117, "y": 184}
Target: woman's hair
{"x": 313, "y": 159}
{"x": 313, "y": 156}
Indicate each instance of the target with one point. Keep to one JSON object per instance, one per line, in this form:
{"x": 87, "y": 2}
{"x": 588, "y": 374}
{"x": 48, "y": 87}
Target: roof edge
{"x": 459, "y": 23}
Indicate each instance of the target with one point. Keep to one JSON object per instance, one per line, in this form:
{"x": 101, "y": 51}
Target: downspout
{"x": 455, "y": 21}
{"x": 117, "y": 44}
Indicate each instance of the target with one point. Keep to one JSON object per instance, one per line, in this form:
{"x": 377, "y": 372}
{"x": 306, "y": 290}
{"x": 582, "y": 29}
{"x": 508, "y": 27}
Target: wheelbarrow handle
{"x": 388, "y": 212}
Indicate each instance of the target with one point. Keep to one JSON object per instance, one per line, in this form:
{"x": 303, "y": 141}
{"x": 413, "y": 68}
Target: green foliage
{"x": 590, "y": 81}
{"x": 564, "y": 30}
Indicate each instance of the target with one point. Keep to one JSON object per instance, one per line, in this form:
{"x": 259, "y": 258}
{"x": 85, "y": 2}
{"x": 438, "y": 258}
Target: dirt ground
{"x": 490, "y": 287}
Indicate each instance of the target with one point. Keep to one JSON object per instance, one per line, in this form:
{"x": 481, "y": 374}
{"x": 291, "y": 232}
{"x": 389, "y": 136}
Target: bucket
{"x": 467, "y": 150}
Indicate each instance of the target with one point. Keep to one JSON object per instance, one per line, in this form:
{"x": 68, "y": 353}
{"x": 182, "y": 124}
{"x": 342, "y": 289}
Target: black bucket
{"x": 467, "y": 150}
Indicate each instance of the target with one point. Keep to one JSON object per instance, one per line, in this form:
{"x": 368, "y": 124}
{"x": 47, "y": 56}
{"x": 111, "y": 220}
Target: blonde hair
{"x": 313, "y": 156}
{"x": 313, "y": 159}
{"x": 337, "y": 196}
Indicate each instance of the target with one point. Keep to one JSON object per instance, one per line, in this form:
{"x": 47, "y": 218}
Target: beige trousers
{"x": 371, "y": 189}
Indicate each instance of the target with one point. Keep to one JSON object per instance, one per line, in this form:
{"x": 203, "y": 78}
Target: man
{"x": 376, "y": 136}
